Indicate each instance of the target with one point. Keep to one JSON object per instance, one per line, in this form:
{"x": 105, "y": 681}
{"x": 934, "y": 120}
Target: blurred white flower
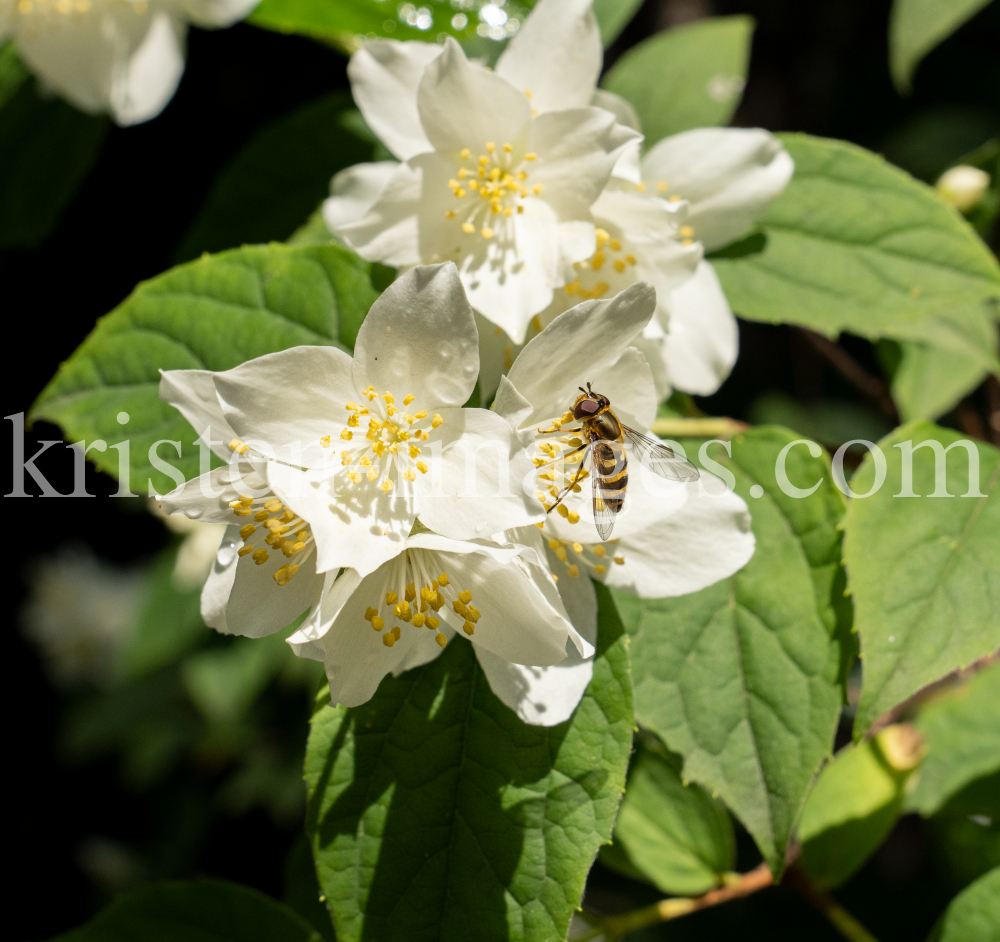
{"x": 963, "y": 186}
{"x": 81, "y": 613}
{"x": 120, "y": 56}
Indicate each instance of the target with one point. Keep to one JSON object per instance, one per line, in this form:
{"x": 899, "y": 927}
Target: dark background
{"x": 819, "y": 67}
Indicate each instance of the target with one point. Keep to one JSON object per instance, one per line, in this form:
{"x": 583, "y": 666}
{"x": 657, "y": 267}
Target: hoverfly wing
{"x": 608, "y": 480}
{"x": 659, "y": 458}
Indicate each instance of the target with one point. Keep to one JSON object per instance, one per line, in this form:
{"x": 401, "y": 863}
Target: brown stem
{"x": 675, "y": 907}
{"x": 838, "y": 917}
{"x": 993, "y": 408}
{"x": 924, "y": 694}
{"x": 871, "y": 387}
{"x": 970, "y": 421}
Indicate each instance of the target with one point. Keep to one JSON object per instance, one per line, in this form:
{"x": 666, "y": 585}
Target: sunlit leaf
{"x": 973, "y": 915}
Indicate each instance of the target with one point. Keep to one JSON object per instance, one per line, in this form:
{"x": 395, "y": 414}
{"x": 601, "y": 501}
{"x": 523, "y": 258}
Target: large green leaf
{"x": 973, "y": 915}
{"x": 613, "y": 16}
{"x": 13, "y": 72}
{"x": 856, "y": 244}
{"x": 924, "y": 571}
{"x": 346, "y": 23}
{"x": 214, "y": 314}
{"x": 741, "y": 678}
{"x": 917, "y": 26}
{"x": 435, "y": 813}
{"x": 966, "y": 831}
{"x": 929, "y": 381}
{"x": 46, "y": 150}
{"x": 674, "y": 835}
{"x": 688, "y": 77}
{"x": 276, "y": 180}
{"x": 200, "y": 911}
{"x": 849, "y": 812}
{"x": 962, "y": 734}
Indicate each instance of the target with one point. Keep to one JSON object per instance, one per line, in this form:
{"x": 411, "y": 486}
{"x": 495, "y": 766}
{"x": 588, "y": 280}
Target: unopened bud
{"x": 963, "y": 186}
{"x": 902, "y": 746}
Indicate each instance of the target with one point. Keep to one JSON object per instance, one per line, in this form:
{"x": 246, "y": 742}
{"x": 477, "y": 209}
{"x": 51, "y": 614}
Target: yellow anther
{"x": 572, "y": 517}
{"x": 468, "y": 227}
{"x": 573, "y": 571}
{"x": 243, "y": 550}
{"x": 560, "y": 551}
{"x": 578, "y": 548}
{"x": 531, "y": 156}
{"x": 465, "y": 596}
{"x": 528, "y": 94}
{"x": 421, "y": 467}
{"x": 260, "y": 557}
{"x": 460, "y": 193}
{"x": 391, "y": 598}
{"x": 433, "y": 622}
{"x": 507, "y": 148}
{"x": 490, "y": 147}
{"x": 661, "y": 186}
{"x": 464, "y": 153}
{"x": 459, "y": 607}
{"x": 238, "y": 446}
{"x": 345, "y": 458}
{"x": 346, "y": 434}
{"x": 443, "y": 579}
{"x": 520, "y": 209}
{"x": 619, "y": 265}
{"x": 284, "y": 574}
{"x": 411, "y": 591}
{"x": 673, "y": 199}
{"x": 247, "y": 531}
{"x": 486, "y": 232}
{"x": 554, "y": 544}
{"x": 602, "y": 237}
{"x": 402, "y": 610}
{"x": 562, "y": 510}
{"x": 686, "y": 232}
{"x": 385, "y": 486}
{"x": 388, "y": 639}
{"x": 600, "y": 570}
{"x": 370, "y": 393}
{"x": 378, "y": 623}
{"x": 474, "y": 614}
{"x": 422, "y": 414}
{"x": 630, "y": 259}
{"x": 468, "y": 627}
{"x": 353, "y": 421}
{"x": 396, "y": 632}
{"x": 474, "y": 185}
{"x": 620, "y": 560}
{"x": 597, "y": 260}
{"x": 408, "y": 398}
{"x": 370, "y": 613}
{"x": 449, "y": 214}
{"x": 260, "y": 515}
{"x": 537, "y": 188}
{"x": 418, "y": 620}
{"x": 599, "y": 550}
{"x": 566, "y": 418}
{"x": 616, "y": 246}
{"x": 440, "y": 639}
{"x": 413, "y": 451}
{"x": 437, "y": 421}
{"x": 410, "y": 474}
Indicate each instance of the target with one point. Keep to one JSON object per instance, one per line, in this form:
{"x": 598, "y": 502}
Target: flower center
{"x": 389, "y": 447}
{"x": 592, "y": 556}
{"x": 275, "y": 526}
{"x": 557, "y": 457}
{"x": 604, "y": 272}
{"x": 406, "y": 605}
{"x": 686, "y": 233}
{"x": 490, "y": 189}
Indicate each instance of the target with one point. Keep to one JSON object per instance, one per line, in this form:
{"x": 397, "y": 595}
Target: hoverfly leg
{"x": 569, "y": 487}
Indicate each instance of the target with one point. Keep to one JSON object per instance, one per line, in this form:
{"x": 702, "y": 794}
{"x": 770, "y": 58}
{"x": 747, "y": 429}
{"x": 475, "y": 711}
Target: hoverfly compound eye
{"x": 587, "y": 407}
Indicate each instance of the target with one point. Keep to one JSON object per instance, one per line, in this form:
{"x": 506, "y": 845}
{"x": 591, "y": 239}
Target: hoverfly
{"x": 604, "y": 446}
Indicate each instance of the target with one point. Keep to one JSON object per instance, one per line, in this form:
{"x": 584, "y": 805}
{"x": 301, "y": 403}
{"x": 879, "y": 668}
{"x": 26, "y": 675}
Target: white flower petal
{"x": 420, "y": 338}
{"x": 556, "y": 55}
{"x": 216, "y": 13}
{"x": 577, "y": 346}
{"x": 192, "y": 393}
{"x": 728, "y": 175}
{"x": 242, "y": 597}
{"x": 622, "y": 110}
{"x": 354, "y": 191}
{"x": 464, "y": 105}
{"x": 389, "y": 231}
{"x": 496, "y": 355}
{"x": 476, "y": 489}
{"x": 702, "y": 340}
{"x": 207, "y": 496}
{"x": 708, "y": 539}
{"x": 540, "y": 696}
{"x": 290, "y": 400}
{"x": 385, "y": 75}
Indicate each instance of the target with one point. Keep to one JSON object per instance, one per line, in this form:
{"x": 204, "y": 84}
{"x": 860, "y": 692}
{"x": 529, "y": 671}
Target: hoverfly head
{"x": 589, "y": 404}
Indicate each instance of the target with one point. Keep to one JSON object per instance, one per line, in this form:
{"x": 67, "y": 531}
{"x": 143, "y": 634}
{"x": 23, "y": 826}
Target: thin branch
{"x": 875, "y": 390}
{"x": 838, "y": 917}
{"x": 956, "y": 677}
{"x": 698, "y": 428}
{"x": 675, "y": 907}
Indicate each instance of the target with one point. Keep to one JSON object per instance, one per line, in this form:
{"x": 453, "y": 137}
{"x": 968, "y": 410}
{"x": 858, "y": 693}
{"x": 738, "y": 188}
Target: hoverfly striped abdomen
{"x": 610, "y": 474}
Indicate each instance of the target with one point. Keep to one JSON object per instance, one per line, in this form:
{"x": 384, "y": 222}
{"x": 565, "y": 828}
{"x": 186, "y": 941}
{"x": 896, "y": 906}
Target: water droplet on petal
{"x": 193, "y": 513}
{"x": 227, "y": 553}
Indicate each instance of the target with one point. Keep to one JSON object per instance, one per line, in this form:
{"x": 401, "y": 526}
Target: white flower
{"x": 339, "y": 456}
{"x": 672, "y": 540}
{"x": 493, "y": 178}
{"x": 121, "y": 56}
{"x": 501, "y": 598}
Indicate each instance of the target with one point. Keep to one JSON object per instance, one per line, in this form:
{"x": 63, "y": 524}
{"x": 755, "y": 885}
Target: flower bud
{"x": 963, "y": 186}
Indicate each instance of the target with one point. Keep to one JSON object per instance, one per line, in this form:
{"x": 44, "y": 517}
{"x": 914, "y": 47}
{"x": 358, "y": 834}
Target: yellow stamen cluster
{"x": 557, "y": 468}
{"x": 238, "y": 446}
{"x": 609, "y": 253}
{"x": 420, "y": 608}
{"x": 284, "y": 529}
{"x": 390, "y": 441}
{"x": 496, "y": 182}
{"x": 593, "y": 556}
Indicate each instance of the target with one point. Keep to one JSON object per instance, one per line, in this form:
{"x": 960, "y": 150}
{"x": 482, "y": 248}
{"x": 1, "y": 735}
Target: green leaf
{"x": 830, "y": 422}
{"x": 46, "y": 150}
{"x": 435, "y": 813}
{"x": 741, "y": 678}
{"x": 856, "y": 244}
{"x": 345, "y": 23}
{"x": 966, "y": 831}
{"x": 213, "y": 314}
{"x": 691, "y": 76}
{"x": 301, "y": 889}
{"x": 930, "y": 381}
{"x": 962, "y": 735}
{"x": 613, "y": 16}
{"x": 13, "y": 72}
{"x": 973, "y": 915}
{"x": 277, "y": 179}
{"x": 676, "y": 836}
{"x": 924, "y": 571}
{"x": 917, "y": 26}
{"x": 198, "y": 911}
{"x": 849, "y": 812}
